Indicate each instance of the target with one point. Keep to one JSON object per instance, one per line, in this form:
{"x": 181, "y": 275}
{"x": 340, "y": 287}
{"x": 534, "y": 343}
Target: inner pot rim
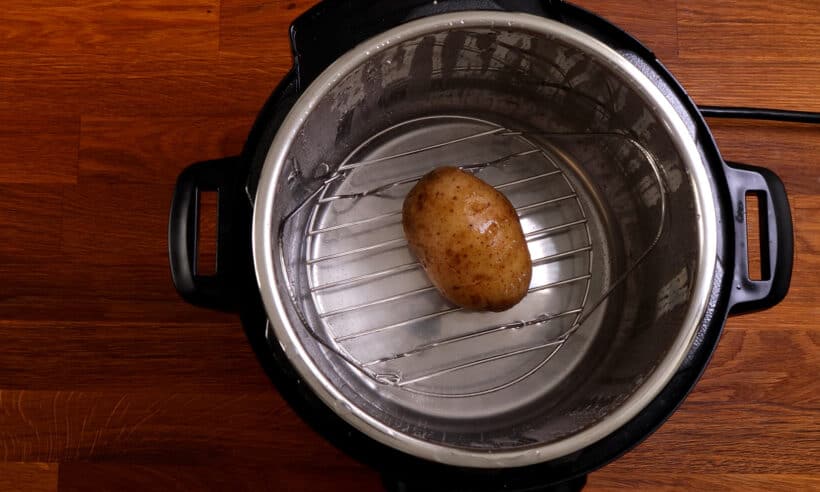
{"x": 265, "y": 247}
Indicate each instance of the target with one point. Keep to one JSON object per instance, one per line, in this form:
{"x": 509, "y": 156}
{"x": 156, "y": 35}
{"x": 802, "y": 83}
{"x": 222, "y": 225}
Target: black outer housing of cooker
{"x": 320, "y": 36}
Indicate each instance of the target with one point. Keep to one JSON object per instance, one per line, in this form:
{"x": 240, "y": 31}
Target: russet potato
{"x": 468, "y": 239}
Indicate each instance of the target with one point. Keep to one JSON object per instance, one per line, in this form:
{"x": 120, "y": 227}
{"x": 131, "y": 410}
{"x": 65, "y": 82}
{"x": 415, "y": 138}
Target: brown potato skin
{"x": 468, "y": 239}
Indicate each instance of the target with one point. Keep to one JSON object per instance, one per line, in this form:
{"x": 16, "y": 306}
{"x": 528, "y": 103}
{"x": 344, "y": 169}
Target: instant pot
{"x": 635, "y": 224}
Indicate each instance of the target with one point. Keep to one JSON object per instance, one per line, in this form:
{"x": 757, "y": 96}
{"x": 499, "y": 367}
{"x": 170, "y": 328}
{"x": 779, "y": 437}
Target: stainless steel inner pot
{"x": 612, "y": 197}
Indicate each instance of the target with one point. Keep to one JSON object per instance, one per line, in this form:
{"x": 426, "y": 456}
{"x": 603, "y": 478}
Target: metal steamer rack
{"x": 363, "y": 284}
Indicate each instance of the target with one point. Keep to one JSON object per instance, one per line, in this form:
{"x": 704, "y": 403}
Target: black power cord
{"x": 760, "y": 114}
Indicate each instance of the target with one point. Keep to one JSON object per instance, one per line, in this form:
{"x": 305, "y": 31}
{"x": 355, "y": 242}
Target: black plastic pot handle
{"x": 212, "y": 291}
{"x": 777, "y": 238}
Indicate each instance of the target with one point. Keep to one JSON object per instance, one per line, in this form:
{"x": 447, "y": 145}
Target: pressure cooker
{"x": 635, "y": 225}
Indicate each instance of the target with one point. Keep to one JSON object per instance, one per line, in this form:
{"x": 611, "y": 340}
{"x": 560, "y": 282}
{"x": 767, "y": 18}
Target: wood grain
{"x": 39, "y": 148}
{"x": 714, "y": 482}
{"x": 258, "y": 29}
{"x": 140, "y": 426}
{"x": 72, "y": 259}
{"x": 153, "y": 147}
{"x": 273, "y": 477}
{"x": 108, "y": 381}
{"x": 747, "y": 33}
{"x": 79, "y": 27}
{"x": 653, "y": 22}
{"x": 116, "y": 356}
{"x": 28, "y": 477}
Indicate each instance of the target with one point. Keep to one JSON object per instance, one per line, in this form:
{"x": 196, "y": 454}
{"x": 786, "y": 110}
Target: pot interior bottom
{"x": 396, "y": 341}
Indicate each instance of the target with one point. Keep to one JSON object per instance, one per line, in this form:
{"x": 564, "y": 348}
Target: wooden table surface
{"x": 108, "y": 381}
